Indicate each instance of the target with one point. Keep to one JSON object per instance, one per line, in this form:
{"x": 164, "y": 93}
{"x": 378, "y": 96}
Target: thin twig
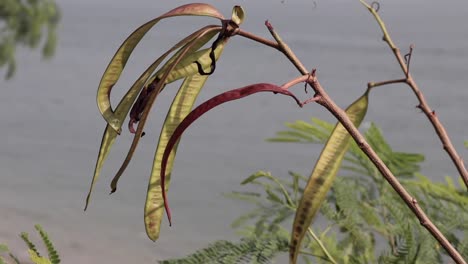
{"x": 409, "y": 200}
{"x": 423, "y": 105}
{"x": 329, "y": 257}
{"x": 291, "y": 205}
{"x": 285, "y": 49}
{"x": 258, "y": 39}
{"x": 319, "y": 242}
{"x": 408, "y": 60}
{"x": 313, "y": 255}
{"x": 375, "y": 84}
{"x": 325, "y": 100}
{"x": 303, "y": 78}
{"x": 315, "y": 237}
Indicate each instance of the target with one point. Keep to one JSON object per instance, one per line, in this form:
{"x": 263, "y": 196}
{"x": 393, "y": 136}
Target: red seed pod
{"x": 202, "y": 109}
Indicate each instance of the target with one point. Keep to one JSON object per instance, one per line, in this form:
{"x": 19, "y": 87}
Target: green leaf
{"x": 270, "y": 189}
{"x": 371, "y": 217}
{"x": 118, "y": 62}
{"x": 3, "y": 248}
{"x": 324, "y": 174}
{"x": 302, "y": 132}
{"x": 241, "y": 220}
{"x": 254, "y": 250}
{"x": 26, "y": 23}
{"x": 29, "y": 244}
{"x": 295, "y": 184}
{"x": 466, "y": 144}
{"x": 450, "y": 183}
{"x": 37, "y": 259}
{"x": 253, "y": 177}
{"x": 440, "y": 190}
{"x": 271, "y": 195}
{"x": 252, "y": 197}
{"x": 52, "y": 253}
{"x": 14, "y": 258}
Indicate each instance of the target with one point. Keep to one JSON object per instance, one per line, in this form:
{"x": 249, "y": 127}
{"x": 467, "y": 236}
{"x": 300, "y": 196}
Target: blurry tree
{"x": 24, "y": 22}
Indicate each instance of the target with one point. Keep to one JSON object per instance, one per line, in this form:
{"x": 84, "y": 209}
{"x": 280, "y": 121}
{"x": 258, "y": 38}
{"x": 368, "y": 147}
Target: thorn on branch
{"x": 268, "y": 25}
{"x": 376, "y": 6}
{"x": 433, "y": 113}
{"x": 313, "y": 72}
{"x": 408, "y": 59}
{"x": 307, "y": 83}
{"x": 361, "y": 144}
{"x": 313, "y": 99}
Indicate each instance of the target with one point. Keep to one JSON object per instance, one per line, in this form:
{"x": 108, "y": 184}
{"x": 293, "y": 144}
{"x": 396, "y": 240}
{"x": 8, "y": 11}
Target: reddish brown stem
{"x": 205, "y": 107}
{"x": 440, "y": 130}
{"x": 324, "y": 100}
{"x": 328, "y": 103}
{"x": 423, "y": 105}
{"x": 256, "y": 38}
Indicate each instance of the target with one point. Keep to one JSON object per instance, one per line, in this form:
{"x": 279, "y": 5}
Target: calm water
{"x": 51, "y": 128}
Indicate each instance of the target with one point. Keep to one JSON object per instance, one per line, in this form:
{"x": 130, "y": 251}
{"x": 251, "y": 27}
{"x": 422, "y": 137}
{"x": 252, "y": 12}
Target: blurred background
{"x": 51, "y": 128}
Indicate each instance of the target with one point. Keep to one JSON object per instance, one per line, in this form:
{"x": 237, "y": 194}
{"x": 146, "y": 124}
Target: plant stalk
{"x": 423, "y": 105}
{"x": 325, "y": 100}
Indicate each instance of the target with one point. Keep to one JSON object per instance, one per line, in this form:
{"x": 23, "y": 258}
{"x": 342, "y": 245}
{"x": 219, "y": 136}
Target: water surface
{"x": 51, "y": 128}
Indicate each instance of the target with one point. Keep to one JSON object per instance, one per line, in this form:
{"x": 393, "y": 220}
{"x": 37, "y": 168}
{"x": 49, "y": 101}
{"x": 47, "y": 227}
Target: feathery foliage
{"x": 361, "y": 208}
{"x": 34, "y": 255}
{"x": 248, "y": 250}
{"x": 23, "y": 23}
{"x": 51, "y": 252}
{"x": 4, "y": 250}
{"x": 364, "y": 220}
{"x": 31, "y": 246}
